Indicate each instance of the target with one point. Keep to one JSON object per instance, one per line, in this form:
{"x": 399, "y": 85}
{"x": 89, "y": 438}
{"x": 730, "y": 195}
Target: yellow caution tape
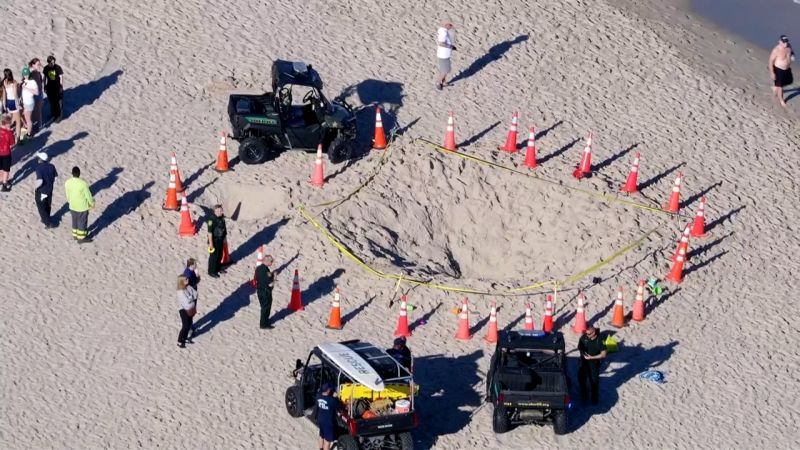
{"x": 601, "y": 195}
{"x": 378, "y": 166}
{"x": 516, "y": 291}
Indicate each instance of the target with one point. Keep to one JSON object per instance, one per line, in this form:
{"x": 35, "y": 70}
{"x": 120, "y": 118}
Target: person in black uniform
{"x": 216, "y": 239}
{"x": 327, "y": 408}
{"x": 265, "y": 279}
{"x": 400, "y": 352}
{"x": 592, "y": 353}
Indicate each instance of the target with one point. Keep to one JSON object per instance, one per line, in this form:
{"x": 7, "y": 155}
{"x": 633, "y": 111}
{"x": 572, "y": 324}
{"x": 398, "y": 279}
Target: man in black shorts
{"x": 327, "y": 408}
{"x": 780, "y": 60}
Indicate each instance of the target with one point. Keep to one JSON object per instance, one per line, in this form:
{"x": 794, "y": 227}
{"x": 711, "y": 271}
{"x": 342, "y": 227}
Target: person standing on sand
{"x": 217, "y": 232}
{"x": 35, "y": 66}
{"x": 265, "y": 280}
{"x": 54, "y": 87}
{"x": 327, "y": 409}
{"x": 43, "y": 194}
{"x": 11, "y": 101}
{"x": 592, "y": 353}
{"x": 444, "y": 50}
{"x": 187, "y": 308}
{"x": 6, "y": 142}
{"x": 80, "y": 202}
{"x": 190, "y": 272}
{"x": 29, "y": 92}
{"x": 780, "y": 60}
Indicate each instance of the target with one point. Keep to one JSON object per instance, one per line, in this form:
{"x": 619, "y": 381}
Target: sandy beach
{"x": 88, "y": 331}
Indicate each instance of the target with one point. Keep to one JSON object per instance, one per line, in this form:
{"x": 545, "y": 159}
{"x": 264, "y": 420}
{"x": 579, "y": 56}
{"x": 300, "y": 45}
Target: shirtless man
{"x": 779, "y": 61}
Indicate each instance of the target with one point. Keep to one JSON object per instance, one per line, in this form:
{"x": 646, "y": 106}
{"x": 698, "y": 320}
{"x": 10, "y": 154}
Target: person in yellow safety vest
{"x": 80, "y": 202}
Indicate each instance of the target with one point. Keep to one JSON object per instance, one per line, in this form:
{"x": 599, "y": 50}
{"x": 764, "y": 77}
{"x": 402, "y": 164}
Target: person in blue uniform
{"x": 327, "y": 408}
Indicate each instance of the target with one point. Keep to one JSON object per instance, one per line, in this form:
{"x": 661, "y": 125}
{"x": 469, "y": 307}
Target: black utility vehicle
{"x": 527, "y": 380}
{"x": 266, "y": 124}
{"x": 376, "y": 392}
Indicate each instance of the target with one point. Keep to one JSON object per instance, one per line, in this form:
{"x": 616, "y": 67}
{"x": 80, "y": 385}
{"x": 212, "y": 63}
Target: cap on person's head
{"x": 42, "y": 156}
{"x": 76, "y": 172}
{"x": 784, "y": 39}
{"x": 26, "y": 72}
{"x": 400, "y": 341}
{"x": 326, "y": 387}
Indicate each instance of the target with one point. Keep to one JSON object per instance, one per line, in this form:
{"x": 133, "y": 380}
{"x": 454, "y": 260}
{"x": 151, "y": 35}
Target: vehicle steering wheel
{"x": 309, "y": 97}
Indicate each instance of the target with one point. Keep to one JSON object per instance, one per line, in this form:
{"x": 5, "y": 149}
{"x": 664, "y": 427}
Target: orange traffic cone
{"x": 530, "y": 152}
{"x": 173, "y": 168}
{"x": 683, "y": 244}
{"x": 187, "y": 227}
{"x": 584, "y": 168}
{"x": 450, "y": 134}
{"x": 580, "y": 316}
{"x": 226, "y": 256}
{"x": 511, "y": 139}
{"x": 676, "y": 274}
{"x": 402, "y": 320}
{"x": 619, "y": 311}
{"x": 699, "y": 227}
{"x": 318, "y": 177}
{"x": 222, "y": 154}
{"x": 259, "y": 261}
{"x": 296, "y": 303}
{"x": 379, "y": 143}
{"x": 528, "y": 324}
{"x": 335, "y": 319}
{"x": 491, "y": 334}
{"x": 547, "y": 323}
{"x": 171, "y": 202}
{"x": 631, "y": 184}
{"x": 675, "y": 198}
{"x": 638, "y": 303}
{"x": 463, "y": 323}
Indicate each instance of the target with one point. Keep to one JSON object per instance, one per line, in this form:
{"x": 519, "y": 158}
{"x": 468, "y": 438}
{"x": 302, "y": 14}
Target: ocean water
{"x": 757, "y": 21}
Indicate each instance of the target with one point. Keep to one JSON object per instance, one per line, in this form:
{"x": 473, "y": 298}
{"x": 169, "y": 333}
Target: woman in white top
{"x": 10, "y": 101}
{"x": 29, "y": 92}
{"x": 187, "y": 304}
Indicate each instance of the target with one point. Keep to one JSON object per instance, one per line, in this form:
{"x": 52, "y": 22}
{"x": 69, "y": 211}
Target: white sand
{"x": 88, "y": 349}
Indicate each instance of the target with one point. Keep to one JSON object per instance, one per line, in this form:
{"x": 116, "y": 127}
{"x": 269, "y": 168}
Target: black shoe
{"x": 189, "y": 341}
{"x": 438, "y": 86}
{"x": 267, "y": 327}
{"x": 6, "y": 188}
{"x": 85, "y": 240}
{"x": 181, "y": 345}
{"x": 214, "y": 275}
{"x": 222, "y": 271}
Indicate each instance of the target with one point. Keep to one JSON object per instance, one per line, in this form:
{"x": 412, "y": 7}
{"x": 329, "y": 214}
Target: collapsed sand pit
{"x": 418, "y": 219}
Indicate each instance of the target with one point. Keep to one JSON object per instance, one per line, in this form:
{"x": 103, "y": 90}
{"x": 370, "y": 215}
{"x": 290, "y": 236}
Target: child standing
{"x": 6, "y": 141}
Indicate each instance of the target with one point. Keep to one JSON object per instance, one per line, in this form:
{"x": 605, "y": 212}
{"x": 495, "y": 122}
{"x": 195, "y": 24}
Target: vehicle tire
{"x": 294, "y": 401}
{"x": 340, "y": 149}
{"x": 560, "y": 423}
{"x": 346, "y": 442}
{"x": 406, "y": 441}
{"x": 253, "y": 150}
{"x": 500, "y": 422}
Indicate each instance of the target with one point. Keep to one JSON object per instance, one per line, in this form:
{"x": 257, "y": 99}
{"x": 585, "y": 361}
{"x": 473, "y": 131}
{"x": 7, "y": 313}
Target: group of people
{"x": 24, "y": 99}
{"x": 263, "y": 279}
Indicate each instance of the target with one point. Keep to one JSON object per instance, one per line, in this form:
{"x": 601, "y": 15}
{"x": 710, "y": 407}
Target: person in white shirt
{"x": 444, "y": 49}
{"x": 29, "y": 92}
